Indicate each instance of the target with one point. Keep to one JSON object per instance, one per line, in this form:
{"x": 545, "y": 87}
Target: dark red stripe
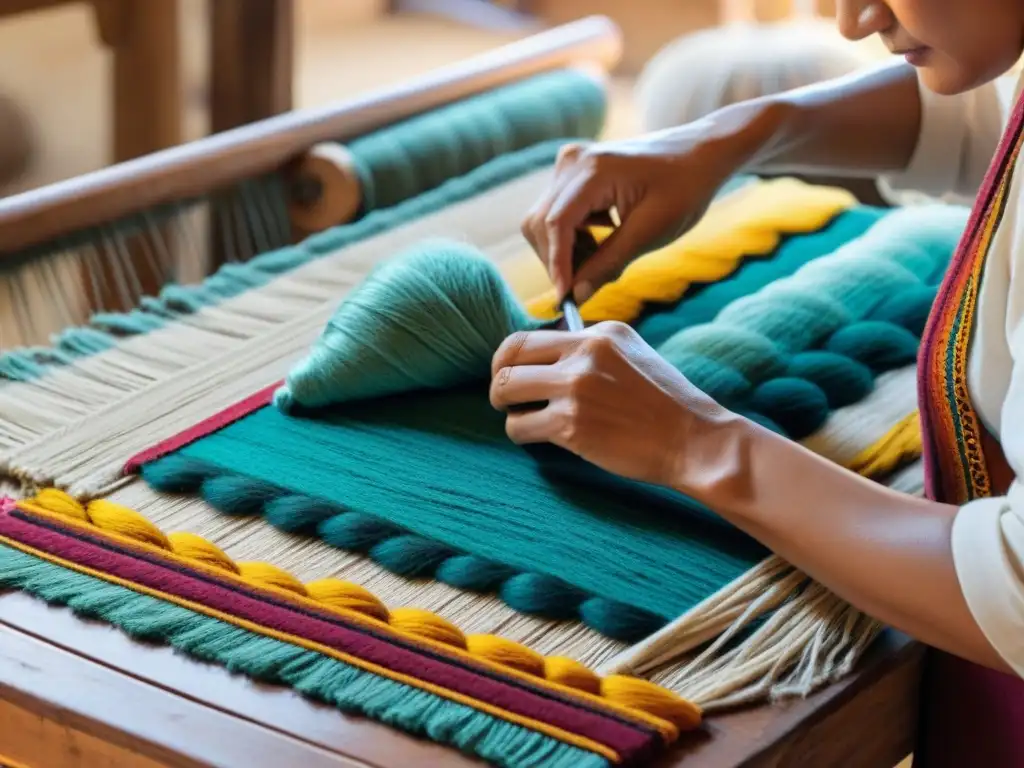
{"x": 205, "y": 427}
{"x": 629, "y": 742}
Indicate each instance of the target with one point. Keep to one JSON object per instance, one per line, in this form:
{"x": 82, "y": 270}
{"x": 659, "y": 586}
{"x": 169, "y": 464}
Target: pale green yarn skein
{"x": 755, "y": 335}
{"x": 430, "y": 318}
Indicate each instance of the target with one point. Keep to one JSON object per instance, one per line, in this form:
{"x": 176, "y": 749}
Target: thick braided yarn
{"x": 752, "y": 221}
{"x": 406, "y": 159}
{"x": 812, "y": 342}
{"x": 396, "y": 549}
{"x": 430, "y": 318}
{"x": 350, "y": 598}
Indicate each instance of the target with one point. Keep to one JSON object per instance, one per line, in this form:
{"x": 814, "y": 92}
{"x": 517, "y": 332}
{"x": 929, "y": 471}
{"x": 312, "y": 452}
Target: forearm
{"x": 865, "y": 124}
{"x": 887, "y": 553}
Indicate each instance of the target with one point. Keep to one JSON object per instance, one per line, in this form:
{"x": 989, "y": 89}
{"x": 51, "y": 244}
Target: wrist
{"x": 712, "y": 460}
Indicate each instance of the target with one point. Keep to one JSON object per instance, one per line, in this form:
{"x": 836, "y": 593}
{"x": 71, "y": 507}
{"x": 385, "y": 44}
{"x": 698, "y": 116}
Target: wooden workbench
{"x": 80, "y": 693}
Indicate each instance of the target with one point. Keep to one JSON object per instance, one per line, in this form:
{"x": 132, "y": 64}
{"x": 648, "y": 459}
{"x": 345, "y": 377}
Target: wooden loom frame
{"x": 76, "y": 692}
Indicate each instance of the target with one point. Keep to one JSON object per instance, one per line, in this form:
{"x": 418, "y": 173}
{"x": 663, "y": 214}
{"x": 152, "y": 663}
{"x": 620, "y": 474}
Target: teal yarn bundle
{"x": 430, "y": 318}
{"x": 403, "y": 160}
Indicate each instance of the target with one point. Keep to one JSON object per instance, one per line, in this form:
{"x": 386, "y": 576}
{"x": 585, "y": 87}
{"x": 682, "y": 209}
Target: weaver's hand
{"x": 659, "y": 184}
{"x": 603, "y": 394}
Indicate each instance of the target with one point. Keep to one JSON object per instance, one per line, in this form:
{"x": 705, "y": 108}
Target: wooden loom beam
{"x": 198, "y": 167}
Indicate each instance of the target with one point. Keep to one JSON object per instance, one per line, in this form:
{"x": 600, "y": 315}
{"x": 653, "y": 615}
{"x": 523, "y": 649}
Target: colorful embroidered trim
{"x": 956, "y": 468}
{"x": 621, "y": 719}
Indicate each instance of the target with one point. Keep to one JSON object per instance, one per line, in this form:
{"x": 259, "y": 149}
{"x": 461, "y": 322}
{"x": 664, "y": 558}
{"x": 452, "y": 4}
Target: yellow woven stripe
{"x": 901, "y": 443}
{"x": 128, "y": 527}
{"x": 749, "y": 222}
{"x": 548, "y": 730}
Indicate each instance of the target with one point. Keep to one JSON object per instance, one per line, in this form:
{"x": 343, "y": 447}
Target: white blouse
{"x": 959, "y": 136}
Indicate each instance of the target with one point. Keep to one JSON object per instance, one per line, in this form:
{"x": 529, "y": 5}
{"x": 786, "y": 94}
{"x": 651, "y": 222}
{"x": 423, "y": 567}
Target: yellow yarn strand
{"x": 899, "y": 445}
{"x": 749, "y": 222}
{"x": 351, "y": 601}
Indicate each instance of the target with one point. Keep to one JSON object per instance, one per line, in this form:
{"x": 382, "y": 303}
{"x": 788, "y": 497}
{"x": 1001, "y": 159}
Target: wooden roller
{"x": 325, "y": 188}
{"x": 202, "y": 166}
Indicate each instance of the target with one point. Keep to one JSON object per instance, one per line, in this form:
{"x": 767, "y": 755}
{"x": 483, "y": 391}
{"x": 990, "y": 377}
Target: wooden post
{"x": 252, "y": 60}
{"x": 252, "y": 70}
{"x": 148, "y": 116}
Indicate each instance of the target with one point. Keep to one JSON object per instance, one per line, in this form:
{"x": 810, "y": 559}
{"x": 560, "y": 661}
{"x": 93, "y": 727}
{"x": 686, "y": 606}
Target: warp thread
{"x": 174, "y": 301}
{"x": 396, "y": 549}
{"x": 348, "y": 597}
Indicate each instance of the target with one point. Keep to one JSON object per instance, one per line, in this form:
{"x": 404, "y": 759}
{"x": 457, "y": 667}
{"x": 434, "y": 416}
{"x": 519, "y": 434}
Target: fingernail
{"x": 583, "y": 291}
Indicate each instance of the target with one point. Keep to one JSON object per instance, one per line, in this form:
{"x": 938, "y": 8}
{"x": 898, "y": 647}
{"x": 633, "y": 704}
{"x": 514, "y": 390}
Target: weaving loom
{"x": 177, "y": 468}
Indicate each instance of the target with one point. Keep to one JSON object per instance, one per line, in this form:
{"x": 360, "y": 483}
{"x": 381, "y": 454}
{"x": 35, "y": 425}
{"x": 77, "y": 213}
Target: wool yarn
{"x": 333, "y": 475}
{"x": 757, "y": 353}
{"x": 431, "y": 318}
{"x": 403, "y": 160}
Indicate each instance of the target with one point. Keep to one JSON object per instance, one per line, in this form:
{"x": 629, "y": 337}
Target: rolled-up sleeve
{"x": 988, "y": 536}
{"x": 958, "y": 136}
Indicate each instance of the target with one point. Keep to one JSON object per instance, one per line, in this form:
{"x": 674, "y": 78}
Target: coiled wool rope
{"x": 755, "y": 353}
{"x": 351, "y": 599}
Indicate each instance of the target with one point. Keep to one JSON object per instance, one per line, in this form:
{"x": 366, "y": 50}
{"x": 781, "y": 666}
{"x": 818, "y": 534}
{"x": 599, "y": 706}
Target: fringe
{"x": 317, "y": 676}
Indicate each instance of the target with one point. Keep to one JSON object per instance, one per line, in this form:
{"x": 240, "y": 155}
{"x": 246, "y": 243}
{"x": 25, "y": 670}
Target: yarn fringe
{"x": 187, "y": 552}
{"x": 318, "y": 677}
{"x": 772, "y": 634}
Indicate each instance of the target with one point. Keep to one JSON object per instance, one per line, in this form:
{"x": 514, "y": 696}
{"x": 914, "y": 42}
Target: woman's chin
{"x": 945, "y": 80}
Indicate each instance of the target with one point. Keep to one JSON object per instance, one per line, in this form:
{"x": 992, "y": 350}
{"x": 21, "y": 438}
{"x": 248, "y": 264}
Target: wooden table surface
{"x": 80, "y": 693}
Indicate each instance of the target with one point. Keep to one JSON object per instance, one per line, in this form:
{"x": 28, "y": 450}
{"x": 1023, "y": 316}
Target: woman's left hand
{"x": 605, "y": 395}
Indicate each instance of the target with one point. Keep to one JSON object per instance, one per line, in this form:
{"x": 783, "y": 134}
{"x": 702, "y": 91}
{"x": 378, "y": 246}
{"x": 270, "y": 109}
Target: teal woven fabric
{"x": 553, "y": 535}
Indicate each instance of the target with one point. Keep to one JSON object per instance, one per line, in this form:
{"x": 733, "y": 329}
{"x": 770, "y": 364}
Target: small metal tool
{"x": 586, "y": 246}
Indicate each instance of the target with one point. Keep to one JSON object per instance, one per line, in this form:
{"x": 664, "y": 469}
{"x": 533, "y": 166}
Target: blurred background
{"x": 84, "y": 83}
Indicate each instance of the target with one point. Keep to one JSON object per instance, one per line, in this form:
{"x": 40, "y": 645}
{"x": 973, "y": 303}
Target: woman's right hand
{"x": 660, "y": 185}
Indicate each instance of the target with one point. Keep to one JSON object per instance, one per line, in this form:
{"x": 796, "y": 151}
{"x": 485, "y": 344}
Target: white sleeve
{"x": 959, "y": 135}
{"x": 988, "y": 535}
